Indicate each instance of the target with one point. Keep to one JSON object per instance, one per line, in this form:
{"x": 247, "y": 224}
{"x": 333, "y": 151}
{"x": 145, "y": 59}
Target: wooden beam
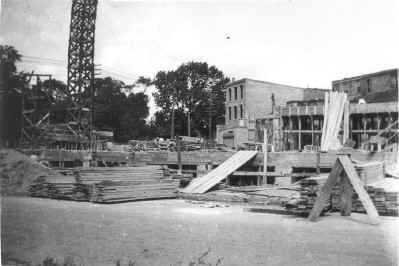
{"x": 325, "y": 192}
{"x": 350, "y": 177}
{"x": 246, "y": 173}
{"x": 358, "y": 187}
{"x": 346, "y": 195}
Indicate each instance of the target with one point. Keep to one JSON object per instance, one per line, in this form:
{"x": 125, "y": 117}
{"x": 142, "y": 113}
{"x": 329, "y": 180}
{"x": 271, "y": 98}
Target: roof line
{"x": 366, "y": 75}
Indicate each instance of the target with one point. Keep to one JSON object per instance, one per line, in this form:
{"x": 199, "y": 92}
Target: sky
{"x": 304, "y": 43}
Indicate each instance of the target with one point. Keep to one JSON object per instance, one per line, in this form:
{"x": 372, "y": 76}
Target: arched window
{"x": 229, "y": 94}
{"x": 235, "y": 93}
{"x": 242, "y": 91}
{"x": 241, "y": 111}
{"x": 229, "y": 113}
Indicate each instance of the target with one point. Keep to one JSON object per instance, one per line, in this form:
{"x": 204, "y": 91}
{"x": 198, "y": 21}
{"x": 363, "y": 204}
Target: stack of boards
{"x": 53, "y": 186}
{"x": 309, "y": 189}
{"x": 107, "y": 185}
{"x": 115, "y": 184}
{"x": 384, "y": 194}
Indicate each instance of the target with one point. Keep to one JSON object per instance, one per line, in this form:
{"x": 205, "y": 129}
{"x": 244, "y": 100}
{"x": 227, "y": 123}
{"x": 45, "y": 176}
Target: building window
{"x": 241, "y": 111}
{"x": 229, "y": 112}
{"x": 368, "y": 85}
{"x": 229, "y": 94}
{"x": 235, "y": 112}
{"x": 235, "y": 93}
{"x": 242, "y": 91}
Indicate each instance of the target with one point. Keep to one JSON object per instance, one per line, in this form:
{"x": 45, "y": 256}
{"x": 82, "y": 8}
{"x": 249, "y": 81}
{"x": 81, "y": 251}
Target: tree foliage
{"x": 122, "y": 112}
{"x": 194, "y": 88}
{"x": 9, "y": 56}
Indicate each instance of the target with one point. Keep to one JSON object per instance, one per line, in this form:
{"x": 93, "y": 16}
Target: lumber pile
{"x": 309, "y": 189}
{"x": 384, "y": 194}
{"x": 53, "y": 186}
{"x": 370, "y": 172}
{"x": 108, "y": 185}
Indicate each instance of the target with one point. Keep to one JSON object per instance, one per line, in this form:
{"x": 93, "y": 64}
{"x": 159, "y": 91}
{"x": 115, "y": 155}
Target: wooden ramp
{"x": 206, "y": 182}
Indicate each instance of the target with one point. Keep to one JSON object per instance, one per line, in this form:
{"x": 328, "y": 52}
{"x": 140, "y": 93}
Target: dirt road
{"x": 174, "y": 232}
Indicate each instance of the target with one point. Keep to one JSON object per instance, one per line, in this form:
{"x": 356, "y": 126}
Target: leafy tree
{"x": 194, "y": 89}
{"x": 121, "y": 111}
{"x": 10, "y": 114}
{"x": 9, "y": 56}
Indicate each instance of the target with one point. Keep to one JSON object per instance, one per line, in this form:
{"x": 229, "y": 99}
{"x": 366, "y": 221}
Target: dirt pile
{"x": 17, "y": 171}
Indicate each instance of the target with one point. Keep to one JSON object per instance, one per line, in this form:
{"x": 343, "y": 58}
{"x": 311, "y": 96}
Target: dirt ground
{"x": 175, "y": 232}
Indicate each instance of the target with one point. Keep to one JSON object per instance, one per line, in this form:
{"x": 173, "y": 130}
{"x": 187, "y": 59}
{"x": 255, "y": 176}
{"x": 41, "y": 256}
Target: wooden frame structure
{"x": 345, "y": 174}
{"x": 296, "y": 127}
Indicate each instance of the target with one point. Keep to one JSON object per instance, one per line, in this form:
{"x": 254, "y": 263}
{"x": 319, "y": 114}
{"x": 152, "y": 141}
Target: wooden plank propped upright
{"x": 344, "y": 173}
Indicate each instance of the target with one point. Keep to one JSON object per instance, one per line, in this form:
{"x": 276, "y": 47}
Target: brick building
{"x": 381, "y": 86}
{"x": 248, "y": 99}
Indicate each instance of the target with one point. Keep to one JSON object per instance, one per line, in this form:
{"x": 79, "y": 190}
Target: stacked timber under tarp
{"x": 107, "y": 184}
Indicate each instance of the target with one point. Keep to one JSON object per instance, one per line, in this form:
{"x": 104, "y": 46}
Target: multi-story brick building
{"x": 381, "y": 86}
{"x": 248, "y": 99}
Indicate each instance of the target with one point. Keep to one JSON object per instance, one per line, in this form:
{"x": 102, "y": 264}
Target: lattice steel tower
{"x": 81, "y": 63}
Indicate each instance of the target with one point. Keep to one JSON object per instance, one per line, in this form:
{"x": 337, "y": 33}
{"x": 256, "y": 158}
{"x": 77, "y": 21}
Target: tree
{"x": 118, "y": 109}
{"x": 9, "y": 101}
{"x": 194, "y": 92}
{"x": 9, "y": 56}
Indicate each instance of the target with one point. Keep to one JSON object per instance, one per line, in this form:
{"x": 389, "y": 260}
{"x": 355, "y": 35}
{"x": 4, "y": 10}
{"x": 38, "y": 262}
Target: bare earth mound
{"x": 17, "y": 171}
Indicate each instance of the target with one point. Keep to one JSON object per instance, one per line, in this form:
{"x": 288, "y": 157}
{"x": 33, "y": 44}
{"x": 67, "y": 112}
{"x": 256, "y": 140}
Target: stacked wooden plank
{"x": 107, "y": 184}
{"x": 384, "y": 194}
{"x": 309, "y": 189}
{"x": 54, "y": 186}
{"x": 370, "y": 172}
{"x": 118, "y": 184}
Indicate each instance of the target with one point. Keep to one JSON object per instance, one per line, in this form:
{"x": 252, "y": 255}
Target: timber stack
{"x": 54, "y": 186}
{"x": 309, "y": 189}
{"x": 384, "y": 194}
{"x": 107, "y": 185}
{"x": 115, "y": 184}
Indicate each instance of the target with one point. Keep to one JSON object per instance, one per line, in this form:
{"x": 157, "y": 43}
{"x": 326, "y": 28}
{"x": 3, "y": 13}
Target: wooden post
{"x": 325, "y": 191}
{"x": 345, "y": 136}
{"x": 178, "y": 146}
{"x": 312, "y": 123}
{"x": 265, "y": 151}
{"x": 318, "y": 162}
{"x": 346, "y": 196}
{"x": 299, "y": 133}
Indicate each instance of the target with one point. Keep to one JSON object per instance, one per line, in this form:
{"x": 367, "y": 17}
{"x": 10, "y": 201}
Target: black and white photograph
{"x": 199, "y": 132}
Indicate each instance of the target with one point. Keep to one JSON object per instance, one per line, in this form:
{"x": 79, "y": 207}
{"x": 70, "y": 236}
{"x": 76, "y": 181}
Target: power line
{"x": 53, "y": 61}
